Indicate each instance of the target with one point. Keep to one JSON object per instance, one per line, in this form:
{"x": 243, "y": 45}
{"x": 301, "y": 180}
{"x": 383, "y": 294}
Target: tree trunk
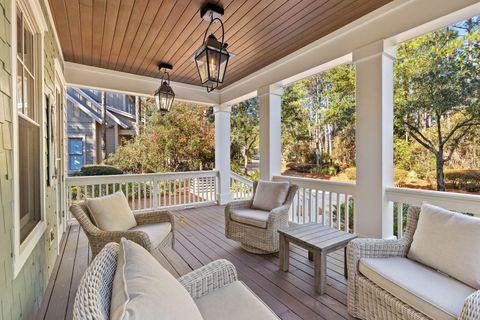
{"x": 440, "y": 173}
{"x": 104, "y": 125}
{"x": 245, "y": 161}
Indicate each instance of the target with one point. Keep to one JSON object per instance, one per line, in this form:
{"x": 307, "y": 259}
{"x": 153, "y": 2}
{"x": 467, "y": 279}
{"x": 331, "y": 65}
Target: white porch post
{"x": 374, "y": 139}
{"x": 222, "y": 151}
{"x": 270, "y": 131}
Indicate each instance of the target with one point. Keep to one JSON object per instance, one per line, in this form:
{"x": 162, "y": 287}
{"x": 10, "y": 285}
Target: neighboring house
{"x": 84, "y": 124}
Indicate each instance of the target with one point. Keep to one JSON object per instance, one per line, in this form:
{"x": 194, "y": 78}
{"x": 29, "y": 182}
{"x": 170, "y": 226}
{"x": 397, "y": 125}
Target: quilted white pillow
{"x": 143, "y": 289}
{"x": 112, "y": 212}
{"x": 270, "y": 195}
{"x": 448, "y": 242}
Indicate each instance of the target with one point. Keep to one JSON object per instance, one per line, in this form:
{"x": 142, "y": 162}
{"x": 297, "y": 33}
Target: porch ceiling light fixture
{"x": 212, "y": 57}
{"x": 164, "y": 95}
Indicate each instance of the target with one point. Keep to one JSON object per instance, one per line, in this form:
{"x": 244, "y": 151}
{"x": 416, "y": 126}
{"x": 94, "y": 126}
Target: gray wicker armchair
{"x": 99, "y": 238}
{"x": 367, "y": 300}
{"x": 255, "y": 238}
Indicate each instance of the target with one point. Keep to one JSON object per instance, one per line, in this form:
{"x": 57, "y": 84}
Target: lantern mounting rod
{"x": 211, "y": 11}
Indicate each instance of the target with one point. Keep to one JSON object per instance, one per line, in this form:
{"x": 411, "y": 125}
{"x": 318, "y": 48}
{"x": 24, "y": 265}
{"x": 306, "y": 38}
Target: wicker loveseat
{"x": 214, "y": 289}
{"x": 149, "y": 233}
{"x": 257, "y": 230}
{"x": 384, "y": 283}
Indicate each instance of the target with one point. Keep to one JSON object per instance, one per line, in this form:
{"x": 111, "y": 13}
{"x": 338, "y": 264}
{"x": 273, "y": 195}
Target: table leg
{"x": 320, "y": 271}
{"x": 345, "y": 263}
{"x": 310, "y": 255}
{"x": 284, "y": 253}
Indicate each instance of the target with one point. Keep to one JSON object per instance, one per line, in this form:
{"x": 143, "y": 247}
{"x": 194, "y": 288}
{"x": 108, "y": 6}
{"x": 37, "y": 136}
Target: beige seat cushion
{"x": 111, "y": 213}
{"x": 449, "y": 242}
{"x": 270, "y": 195}
{"x": 157, "y": 232}
{"x": 143, "y": 289}
{"x": 426, "y": 290}
{"x": 252, "y": 217}
{"x": 234, "y": 302}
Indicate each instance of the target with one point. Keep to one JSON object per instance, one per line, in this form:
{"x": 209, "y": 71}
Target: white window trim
{"x": 34, "y": 16}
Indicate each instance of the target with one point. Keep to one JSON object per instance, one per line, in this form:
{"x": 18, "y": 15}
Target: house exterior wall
{"x": 80, "y": 124}
{"x": 21, "y": 297}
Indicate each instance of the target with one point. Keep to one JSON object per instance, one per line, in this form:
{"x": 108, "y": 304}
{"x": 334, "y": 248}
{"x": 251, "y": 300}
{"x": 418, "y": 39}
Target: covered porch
{"x": 275, "y": 43}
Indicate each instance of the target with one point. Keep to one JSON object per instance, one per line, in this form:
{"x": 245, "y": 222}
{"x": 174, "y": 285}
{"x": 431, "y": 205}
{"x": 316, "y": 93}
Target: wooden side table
{"x": 319, "y": 240}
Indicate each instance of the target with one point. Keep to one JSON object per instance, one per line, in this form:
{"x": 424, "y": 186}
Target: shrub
{"x": 463, "y": 179}
{"x": 351, "y": 173}
{"x": 99, "y": 170}
{"x": 400, "y": 176}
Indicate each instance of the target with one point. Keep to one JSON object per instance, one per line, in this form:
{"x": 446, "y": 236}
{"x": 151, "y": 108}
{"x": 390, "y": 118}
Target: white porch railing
{"x": 240, "y": 187}
{"x": 402, "y": 198}
{"x": 322, "y": 201}
{"x": 149, "y": 191}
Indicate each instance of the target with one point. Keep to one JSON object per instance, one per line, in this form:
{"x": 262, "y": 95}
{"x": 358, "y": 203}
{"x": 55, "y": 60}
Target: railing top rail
{"x": 454, "y": 201}
{"x": 238, "y": 177}
{"x": 320, "y": 184}
{"x": 85, "y": 180}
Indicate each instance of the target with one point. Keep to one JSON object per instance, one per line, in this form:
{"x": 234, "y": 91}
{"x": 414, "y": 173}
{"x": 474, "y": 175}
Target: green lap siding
{"x": 20, "y": 298}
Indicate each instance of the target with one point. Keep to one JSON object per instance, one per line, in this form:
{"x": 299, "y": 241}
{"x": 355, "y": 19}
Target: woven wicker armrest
{"x": 154, "y": 217}
{"x": 215, "y": 275}
{"x": 137, "y": 236}
{"x": 278, "y": 212}
{"x": 239, "y": 204}
{"x": 471, "y": 308}
{"x": 374, "y": 248}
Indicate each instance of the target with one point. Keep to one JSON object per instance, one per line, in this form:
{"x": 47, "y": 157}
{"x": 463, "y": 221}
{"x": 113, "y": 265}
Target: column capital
{"x": 270, "y": 89}
{"x": 374, "y": 49}
{"x": 222, "y": 108}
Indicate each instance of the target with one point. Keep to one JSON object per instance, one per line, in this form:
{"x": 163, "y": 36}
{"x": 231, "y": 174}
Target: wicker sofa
{"x": 377, "y": 295}
{"x": 257, "y": 230}
{"x": 214, "y": 289}
{"x": 149, "y": 232}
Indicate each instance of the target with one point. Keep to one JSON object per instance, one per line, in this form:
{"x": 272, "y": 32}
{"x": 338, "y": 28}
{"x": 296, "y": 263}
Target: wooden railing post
{"x": 155, "y": 193}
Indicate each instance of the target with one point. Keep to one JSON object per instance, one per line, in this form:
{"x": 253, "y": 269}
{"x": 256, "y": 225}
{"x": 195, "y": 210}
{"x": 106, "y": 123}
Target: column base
{"x": 223, "y": 198}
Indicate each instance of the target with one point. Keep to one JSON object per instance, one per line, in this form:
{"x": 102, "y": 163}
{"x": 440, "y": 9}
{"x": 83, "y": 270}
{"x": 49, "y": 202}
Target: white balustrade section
{"x": 404, "y": 197}
{"x": 322, "y": 201}
{"x": 146, "y": 192}
{"x": 240, "y": 188}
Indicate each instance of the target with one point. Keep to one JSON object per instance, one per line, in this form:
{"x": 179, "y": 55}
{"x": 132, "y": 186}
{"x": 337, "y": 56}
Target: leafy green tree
{"x": 245, "y": 131}
{"x": 182, "y": 139}
{"x": 436, "y": 90}
{"x": 295, "y": 122}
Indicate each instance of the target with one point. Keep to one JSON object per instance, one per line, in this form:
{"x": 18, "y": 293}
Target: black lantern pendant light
{"x": 212, "y": 57}
{"x": 164, "y": 96}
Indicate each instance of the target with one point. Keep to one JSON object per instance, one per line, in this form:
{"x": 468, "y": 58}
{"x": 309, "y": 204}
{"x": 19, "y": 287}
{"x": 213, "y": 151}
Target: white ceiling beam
{"x": 84, "y": 76}
{"x": 397, "y": 21}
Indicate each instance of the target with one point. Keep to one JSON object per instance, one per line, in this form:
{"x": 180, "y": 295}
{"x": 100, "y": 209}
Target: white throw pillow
{"x": 448, "y": 242}
{"x": 143, "y": 289}
{"x": 111, "y": 213}
{"x": 270, "y": 195}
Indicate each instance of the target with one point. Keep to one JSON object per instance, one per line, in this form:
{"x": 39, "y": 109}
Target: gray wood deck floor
{"x": 199, "y": 240}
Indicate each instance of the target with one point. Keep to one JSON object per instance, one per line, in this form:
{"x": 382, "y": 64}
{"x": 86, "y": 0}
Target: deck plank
{"x": 200, "y": 239}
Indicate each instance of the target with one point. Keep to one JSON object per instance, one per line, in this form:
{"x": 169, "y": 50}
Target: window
{"x": 29, "y": 130}
{"x": 75, "y": 154}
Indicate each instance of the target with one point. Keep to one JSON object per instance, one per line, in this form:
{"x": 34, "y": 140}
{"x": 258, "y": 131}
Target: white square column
{"x": 270, "y": 131}
{"x": 374, "y": 139}
{"x": 222, "y": 152}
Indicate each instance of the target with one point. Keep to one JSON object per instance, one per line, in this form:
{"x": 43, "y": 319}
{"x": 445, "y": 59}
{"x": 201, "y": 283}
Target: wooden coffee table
{"x": 319, "y": 240}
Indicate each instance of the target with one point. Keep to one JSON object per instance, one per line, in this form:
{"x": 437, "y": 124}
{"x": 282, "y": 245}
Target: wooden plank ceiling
{"x": 134, "y": 35}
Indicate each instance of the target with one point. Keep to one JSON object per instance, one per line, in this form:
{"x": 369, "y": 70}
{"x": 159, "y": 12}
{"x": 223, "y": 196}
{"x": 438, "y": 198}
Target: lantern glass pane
{"x": 202, "y": 65}
{"x": 223, "y": 66}
{"x": 214, "y": 65}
